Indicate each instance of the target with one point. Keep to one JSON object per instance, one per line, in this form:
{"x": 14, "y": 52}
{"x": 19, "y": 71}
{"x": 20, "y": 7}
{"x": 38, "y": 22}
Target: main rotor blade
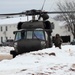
{"x": 12, "y": 14}
{"x": 60, "y": 12}
{"x": 36, "y": 12}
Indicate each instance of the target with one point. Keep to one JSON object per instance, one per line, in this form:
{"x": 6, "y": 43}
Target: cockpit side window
{"x": 18, "y": 36}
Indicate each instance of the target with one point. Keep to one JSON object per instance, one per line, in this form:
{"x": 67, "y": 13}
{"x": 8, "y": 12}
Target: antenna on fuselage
{"x": 43, "y": 4}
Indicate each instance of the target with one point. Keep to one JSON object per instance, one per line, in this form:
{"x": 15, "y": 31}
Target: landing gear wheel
{"x": 14, "y": 53}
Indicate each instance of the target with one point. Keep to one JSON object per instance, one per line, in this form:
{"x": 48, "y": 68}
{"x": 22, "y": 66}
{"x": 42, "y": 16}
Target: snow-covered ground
{"x": 50, "y": 61}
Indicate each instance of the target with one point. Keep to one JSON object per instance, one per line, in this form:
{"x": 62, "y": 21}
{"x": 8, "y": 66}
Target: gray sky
{"x": 10, "y": 6}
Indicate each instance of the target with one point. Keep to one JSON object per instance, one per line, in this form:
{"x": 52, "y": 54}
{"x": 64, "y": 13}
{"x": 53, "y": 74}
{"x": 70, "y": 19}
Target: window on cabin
{"x": 29, "y": 34}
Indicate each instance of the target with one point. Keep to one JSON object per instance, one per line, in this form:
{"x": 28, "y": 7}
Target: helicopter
{"x": 34, "y": 34}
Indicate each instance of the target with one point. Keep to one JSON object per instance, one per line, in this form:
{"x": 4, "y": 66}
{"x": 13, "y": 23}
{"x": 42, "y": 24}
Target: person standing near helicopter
{"x": 58, "y": 41}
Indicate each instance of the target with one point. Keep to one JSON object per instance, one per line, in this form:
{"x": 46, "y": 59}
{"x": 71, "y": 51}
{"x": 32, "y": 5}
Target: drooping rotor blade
{"x": 59, "y": 12}
{"x": 11, "y": 14}
{"x": 40, "y": 12}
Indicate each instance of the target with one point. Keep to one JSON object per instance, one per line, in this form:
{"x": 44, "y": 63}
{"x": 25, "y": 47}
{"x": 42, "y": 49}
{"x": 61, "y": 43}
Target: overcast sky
{"x": 10, "y": 6}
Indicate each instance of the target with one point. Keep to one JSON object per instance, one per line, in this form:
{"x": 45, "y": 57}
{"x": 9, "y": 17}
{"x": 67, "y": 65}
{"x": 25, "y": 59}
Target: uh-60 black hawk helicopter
{"x": 35, "y": 34}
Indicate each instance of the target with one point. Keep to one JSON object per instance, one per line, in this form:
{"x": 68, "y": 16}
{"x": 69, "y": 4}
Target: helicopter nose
{"x": 28, "y": 45}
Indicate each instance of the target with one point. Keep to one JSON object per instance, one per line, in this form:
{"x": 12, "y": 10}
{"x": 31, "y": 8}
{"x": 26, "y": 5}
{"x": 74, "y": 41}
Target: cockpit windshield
{"x": 30, "y": 34}
{"x": 38, "y": 35}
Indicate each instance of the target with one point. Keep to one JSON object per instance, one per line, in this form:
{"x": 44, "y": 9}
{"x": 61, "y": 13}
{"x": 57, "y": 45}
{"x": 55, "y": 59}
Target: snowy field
{"x": 51, "y": 61}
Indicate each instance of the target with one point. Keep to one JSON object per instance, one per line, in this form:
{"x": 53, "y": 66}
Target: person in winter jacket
{"x": 58, "y": 41}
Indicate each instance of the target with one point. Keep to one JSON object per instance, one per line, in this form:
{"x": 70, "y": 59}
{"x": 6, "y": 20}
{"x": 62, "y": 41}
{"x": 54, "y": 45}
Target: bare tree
{"x": 69, "y": 18}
